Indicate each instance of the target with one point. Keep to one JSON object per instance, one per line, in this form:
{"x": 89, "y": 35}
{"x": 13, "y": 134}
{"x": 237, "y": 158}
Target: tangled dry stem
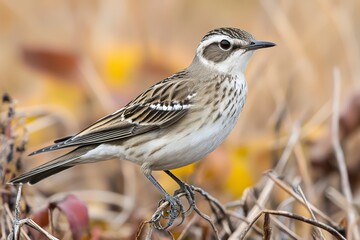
{"x": 222, "y": 219}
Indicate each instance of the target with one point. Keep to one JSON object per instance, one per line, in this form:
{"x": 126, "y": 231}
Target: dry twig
{"x": 265, "y": 194}
{"x": 299, "y": 190}
{"x": 326, "y": 227}
{"x": 344, "y": 177}
{"x": 18, "y": 223}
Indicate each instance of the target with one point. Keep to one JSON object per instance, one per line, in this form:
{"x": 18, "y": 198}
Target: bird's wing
{"x": 160, "y": 106}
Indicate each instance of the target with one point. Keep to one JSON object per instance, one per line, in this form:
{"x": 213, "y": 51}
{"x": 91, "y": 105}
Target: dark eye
{"x": 225, "y": 44}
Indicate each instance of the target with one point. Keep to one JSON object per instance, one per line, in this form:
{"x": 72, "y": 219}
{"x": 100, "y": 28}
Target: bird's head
{"x": 228, "y": 50}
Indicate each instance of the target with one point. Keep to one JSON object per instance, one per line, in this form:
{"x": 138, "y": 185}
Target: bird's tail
{"x": 50, "y": 168}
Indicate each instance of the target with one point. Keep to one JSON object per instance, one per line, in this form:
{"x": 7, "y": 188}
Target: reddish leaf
{"x": 74, "y": 209}
{"x": 41, "y": 217}
{"x": 76, "y": 213}
{"x": 59, "y": 63}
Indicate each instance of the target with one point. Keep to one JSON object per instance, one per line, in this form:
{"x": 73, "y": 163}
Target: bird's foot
{"x": 188, "y": 190}
{"x": 174, "y": 209}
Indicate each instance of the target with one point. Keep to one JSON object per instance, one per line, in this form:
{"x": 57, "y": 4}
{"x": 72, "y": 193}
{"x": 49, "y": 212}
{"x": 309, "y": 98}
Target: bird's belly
{"x": 191, "y": 148}
{"x": 186, "y": 147}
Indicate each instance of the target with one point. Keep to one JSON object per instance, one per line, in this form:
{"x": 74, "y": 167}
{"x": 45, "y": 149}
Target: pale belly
{"x": 183, "y": 150}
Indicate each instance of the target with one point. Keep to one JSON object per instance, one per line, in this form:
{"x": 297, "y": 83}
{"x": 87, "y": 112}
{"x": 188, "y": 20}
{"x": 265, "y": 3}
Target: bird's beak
{"x": 258, "y": 44}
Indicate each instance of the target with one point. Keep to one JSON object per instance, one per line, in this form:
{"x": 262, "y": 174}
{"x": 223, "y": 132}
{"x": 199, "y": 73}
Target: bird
{"x": 174, "y": 123}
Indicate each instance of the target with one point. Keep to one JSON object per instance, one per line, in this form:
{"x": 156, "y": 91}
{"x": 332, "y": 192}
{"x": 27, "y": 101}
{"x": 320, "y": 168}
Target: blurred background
{"x": 68, "y": 63}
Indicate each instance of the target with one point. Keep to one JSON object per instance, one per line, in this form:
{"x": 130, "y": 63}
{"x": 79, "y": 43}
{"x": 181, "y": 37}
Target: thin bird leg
{"x": 174, "y": 203}
{"x": 184, "y": 187}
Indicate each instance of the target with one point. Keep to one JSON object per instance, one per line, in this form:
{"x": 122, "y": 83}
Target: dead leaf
{"x": 75, "y": 211}
{"x": 55, "y": 62}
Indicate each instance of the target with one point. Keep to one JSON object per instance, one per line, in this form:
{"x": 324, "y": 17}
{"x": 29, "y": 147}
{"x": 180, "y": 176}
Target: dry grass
{"x": 67, "y": 63}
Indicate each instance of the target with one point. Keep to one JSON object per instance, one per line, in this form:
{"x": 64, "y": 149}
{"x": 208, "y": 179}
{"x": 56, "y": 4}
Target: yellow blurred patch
{"x": 182, "y": 173}
{"x": 63, "y": 93}
{"x": 120, "y": 62}
{"x": 239, "y": 176}
{"x": 61, "y": 101}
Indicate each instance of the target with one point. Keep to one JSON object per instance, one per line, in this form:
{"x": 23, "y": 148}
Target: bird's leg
{"x": 175, "y": 204}
{"x": 185, "y": 188}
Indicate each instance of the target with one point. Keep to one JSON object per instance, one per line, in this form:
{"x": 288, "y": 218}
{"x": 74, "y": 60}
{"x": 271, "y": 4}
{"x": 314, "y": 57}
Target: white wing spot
{"x": 191, "y": 96}
{"x": 176, "y": 107}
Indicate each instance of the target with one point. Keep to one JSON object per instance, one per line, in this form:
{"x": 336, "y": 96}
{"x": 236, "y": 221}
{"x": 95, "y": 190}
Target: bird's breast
{"x": 213, "y": 115}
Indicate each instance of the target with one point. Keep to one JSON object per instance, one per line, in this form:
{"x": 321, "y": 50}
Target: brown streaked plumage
{"x": 172, "y": 124}
{"x": 137, "y": 117}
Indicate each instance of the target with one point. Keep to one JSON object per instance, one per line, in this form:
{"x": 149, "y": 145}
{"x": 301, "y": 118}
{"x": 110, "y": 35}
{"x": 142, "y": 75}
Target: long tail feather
{"x": 50, "y": 168}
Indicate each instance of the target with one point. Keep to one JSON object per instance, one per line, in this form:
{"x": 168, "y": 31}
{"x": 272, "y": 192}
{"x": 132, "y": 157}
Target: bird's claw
{"x": 174, "y": 209}
{"x": 189, "y": 193}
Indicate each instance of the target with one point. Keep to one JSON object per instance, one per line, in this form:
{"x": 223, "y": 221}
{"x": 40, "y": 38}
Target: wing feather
{"x": 151, "y": 110}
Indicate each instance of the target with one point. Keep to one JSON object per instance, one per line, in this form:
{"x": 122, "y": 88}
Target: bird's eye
{"x": 225, "y": 45}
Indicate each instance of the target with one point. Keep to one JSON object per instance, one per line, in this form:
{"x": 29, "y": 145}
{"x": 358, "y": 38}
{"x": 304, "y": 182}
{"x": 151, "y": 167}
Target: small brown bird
{"x": 173, "y": 123}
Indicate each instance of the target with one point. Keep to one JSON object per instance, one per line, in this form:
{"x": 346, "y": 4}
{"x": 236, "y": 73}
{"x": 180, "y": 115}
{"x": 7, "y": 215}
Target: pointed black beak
{"x": 258, "y": 44}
